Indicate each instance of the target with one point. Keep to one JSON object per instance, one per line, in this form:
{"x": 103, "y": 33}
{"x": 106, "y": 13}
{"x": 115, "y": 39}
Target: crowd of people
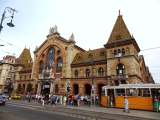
{"x": 57, "y": 99}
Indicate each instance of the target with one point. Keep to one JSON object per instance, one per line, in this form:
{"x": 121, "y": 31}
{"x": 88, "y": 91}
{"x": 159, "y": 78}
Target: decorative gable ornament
{"x": 53, "y": 30}
{"x": 71, "y": 39}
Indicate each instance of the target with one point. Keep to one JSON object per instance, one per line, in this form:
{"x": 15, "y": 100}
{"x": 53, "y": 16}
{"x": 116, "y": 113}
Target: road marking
{"x": 25, "y": 105}
{"x": 22, "y": 106}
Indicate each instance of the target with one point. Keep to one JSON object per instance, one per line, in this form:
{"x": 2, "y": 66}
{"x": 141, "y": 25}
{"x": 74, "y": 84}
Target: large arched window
{"x": 87, "y": 72}
{"x": 100, "y": 72}
{"x": 120, "y": 69}
{"x": 115, "y": 53}
{"x": 76, "y": 73}
{"x": 50, "y": 58}
{"x": 41, "y": 67}
{"x": 59, "y": 65}
{"x": 123, "y": 52}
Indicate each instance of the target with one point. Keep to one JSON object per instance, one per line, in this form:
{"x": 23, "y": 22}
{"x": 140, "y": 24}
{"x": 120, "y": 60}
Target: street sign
{"x": 92, "y": 87}
{"x": 68, "y": 84}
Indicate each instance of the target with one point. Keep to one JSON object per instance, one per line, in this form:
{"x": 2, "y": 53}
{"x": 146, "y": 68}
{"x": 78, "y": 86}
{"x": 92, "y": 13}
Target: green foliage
{"x": 10, "y": 87}
{"x": 19, "y": 87}
{"x": 29, "y": 87}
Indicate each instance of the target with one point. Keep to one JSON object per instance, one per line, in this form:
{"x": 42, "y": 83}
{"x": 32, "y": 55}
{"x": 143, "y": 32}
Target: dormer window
{"x": 102, "y": 53}
{"x": 118, "y": 37}
{"x": 90, "y": 55}
{"x": 79, "y": 57}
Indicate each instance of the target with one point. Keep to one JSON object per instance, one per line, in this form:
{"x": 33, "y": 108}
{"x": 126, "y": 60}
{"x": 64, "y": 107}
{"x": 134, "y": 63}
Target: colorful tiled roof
{"x": 83, "y": 57}
{"x": 120, "y": 31}
{"x": 25, "y": 59}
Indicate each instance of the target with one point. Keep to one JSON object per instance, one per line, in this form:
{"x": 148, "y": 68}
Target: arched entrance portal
{"x": 75, "y": 89}
{"x": 88, "y": 89}
{"x": 100, "y": 90}
{"x": 45, "y": 88}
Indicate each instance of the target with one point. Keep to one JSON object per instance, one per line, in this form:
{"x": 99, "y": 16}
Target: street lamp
{"x": 92, "y": 86}
{"x": 11, "y": 11}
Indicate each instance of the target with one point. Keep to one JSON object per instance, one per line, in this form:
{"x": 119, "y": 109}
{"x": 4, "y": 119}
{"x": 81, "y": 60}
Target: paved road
{"x": 16, "y": 112}
{"x": 98, "y": 113}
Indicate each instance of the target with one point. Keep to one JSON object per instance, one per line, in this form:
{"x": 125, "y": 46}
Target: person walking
{"x": 126, "y": 105}
{"x": 156, "y": 104}
{"x": 78, "y": 99}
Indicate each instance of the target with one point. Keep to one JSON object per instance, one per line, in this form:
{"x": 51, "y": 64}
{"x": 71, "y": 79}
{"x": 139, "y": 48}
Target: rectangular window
{"x": 120, "y": 92}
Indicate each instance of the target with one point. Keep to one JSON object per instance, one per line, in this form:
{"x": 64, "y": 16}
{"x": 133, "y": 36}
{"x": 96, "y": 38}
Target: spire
{"x": 119, "y": 31}
{"x": 119, "y": 12}
{"x": 132, "y": 36}
{"x": 71, "y": 39}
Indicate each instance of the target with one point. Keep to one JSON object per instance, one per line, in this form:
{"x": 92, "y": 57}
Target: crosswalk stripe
{"x": 22, "y": 106}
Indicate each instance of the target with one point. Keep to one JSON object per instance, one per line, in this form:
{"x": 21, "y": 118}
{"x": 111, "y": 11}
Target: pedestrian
{"x": 64, "y": 100}
{"x": 26, "y": 97}
{"x": 126, "y": 105}
{"x": 156, "y": 104}
{"x": 78, "y": 99}
{"x": 60, "y": 99}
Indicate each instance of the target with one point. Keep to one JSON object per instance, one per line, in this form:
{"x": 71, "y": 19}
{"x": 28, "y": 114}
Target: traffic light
{"x": 68, "y": 89}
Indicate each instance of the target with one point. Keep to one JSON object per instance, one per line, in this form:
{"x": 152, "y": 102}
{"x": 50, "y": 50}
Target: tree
{"x": 10, "y": 87}
{"x": 29, "y": 87}
{"x": 19, "y": 87}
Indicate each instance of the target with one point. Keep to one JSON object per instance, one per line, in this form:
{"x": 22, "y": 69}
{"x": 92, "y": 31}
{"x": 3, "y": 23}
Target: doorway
{"x": 76, "y": 89}
{"x": 88, "y": 89}
{"x": 100, "y": 90}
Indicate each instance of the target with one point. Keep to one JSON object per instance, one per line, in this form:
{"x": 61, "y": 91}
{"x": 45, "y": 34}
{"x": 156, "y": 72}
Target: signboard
{"x": 46, "y": 86}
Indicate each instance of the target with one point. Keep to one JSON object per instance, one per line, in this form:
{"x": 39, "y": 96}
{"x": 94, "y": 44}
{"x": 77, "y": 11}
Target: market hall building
{"x": 59, "y": 62}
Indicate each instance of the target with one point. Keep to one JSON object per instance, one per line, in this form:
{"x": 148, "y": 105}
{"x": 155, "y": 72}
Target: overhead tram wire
{"x": 149, "y": 49}
{"x": 8, "y": 53}
{"x": 10, "y": 44}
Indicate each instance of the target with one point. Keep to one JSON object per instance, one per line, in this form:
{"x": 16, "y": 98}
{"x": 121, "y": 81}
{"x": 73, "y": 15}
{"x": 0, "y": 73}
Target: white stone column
{"x": 39, "y": 88}
{"x": 51, "y": 87}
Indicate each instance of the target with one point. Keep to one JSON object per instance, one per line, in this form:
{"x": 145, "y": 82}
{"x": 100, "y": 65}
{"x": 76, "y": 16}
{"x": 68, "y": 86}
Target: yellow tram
{"x": 140, "y": 96}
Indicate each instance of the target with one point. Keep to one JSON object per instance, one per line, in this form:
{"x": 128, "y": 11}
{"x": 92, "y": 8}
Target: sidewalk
{"x": 135, "y": 113}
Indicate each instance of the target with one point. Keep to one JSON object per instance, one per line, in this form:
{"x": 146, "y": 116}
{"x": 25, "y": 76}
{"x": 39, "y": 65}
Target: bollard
{"x": 43, "y": 102}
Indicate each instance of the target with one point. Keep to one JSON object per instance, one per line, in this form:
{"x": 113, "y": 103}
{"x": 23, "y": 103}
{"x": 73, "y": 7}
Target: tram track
{"x": 84, "y": 114}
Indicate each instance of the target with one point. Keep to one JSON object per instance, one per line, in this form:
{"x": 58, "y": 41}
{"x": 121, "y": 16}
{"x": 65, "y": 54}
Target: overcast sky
{"x": 91, "y": 22}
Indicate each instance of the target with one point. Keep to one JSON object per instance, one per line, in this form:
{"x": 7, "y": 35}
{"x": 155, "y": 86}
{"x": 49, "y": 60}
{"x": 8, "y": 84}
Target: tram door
{"x": 111, "y": 97}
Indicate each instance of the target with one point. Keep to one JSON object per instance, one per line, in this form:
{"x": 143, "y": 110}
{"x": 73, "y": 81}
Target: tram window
{"x": 103, "y": 92}
{"x": 131, "y": 92}
{"x": 143, "y": 92}
{"x": 120, "y": 92}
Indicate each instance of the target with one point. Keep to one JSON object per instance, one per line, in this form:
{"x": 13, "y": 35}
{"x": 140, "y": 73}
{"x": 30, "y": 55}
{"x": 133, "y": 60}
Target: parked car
{"x": 15, "y": 96}
{"x": 4, "y": 96}
{"x": 2, "y": 100}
